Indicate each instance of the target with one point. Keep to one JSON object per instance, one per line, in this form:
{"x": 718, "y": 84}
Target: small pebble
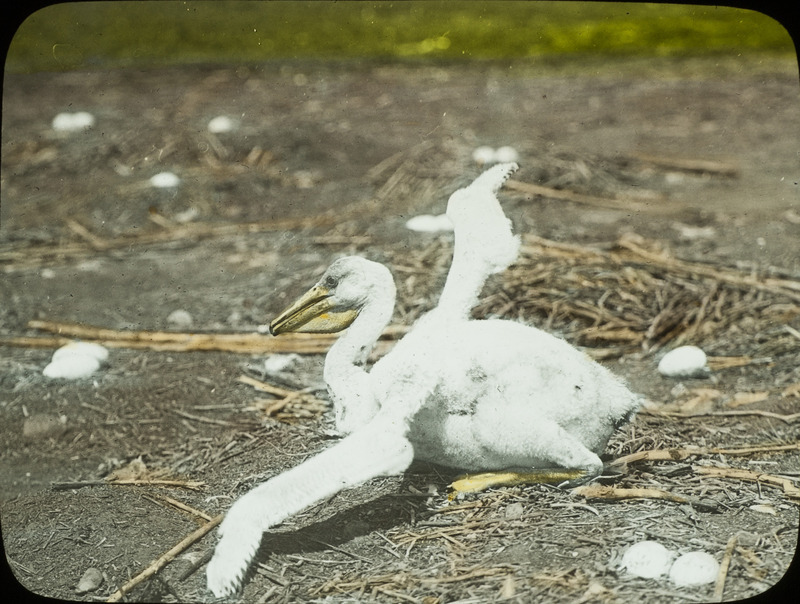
{"x": 694, "y": 232}
{"x": 762, "y": 508}
{"x": 646, "y": 559}
{"x": 72, "y": 122}
{"x": 685, "y": 361}
{"x": 277, "y": 363}
{"x": 180, "y": 319}
{"x": 43, "y": 425}
{"x": 134, "y": 470}
{"x": 514, "y": 510}
{"x": 694, "y": 568}
{"x": 426, "y": 223}
{"x": 183, "y": 566}
{"x": 186, "y": 215}
{"x": 91, "y": 580}
{"x": 164, "y": 180}
{"x": 304, "y": 179}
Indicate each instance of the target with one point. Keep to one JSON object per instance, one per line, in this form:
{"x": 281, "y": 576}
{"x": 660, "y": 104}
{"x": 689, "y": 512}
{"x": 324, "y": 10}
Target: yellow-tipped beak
{"x": 312, "y": 313}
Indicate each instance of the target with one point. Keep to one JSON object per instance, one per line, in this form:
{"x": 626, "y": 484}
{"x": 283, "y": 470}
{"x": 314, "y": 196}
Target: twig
{"x": 473, "y": 574}
{"x": 205, "y": 420}
{"x": 719, "y": 586}
{"x": 582, "y": 506}
{"x": 658, "y": 455}
{"x": 756, "y": 449}
{"x": 599, "y": 491}
{"x": 265, "y": 387}
{"x": 342, "y": 551}
{"x": 789, "y": 489}
{"x": 614, "y": 203}
{"x": 97, "y": 243}
{"x": 720, "y": 363}
{"x": 76, "y": 484}
{"x": 631, "y": 250}
{"x": 534, "y": 245}
{"x": 690, "y": 165}
{"x": 395, "y": 594}
{"x": 37, "y": 342}
{"x": 784, "y": 287}
{"x": 300, "y": 401}
{"x": 165, "y": 558}
{"x": 678, "y": 454}
{"x": 178, "y": 342}
{"x": 194, "y": 485}
{"x": 342, "y": 240}
{"x": 27, "y": 256}
{"x": 300, "y": 343}
{"x": 180, "y": 505}
{"x": 789, "y": 419}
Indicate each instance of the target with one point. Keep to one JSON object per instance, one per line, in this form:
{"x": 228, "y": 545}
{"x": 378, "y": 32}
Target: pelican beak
{"x": 313, "y": 312}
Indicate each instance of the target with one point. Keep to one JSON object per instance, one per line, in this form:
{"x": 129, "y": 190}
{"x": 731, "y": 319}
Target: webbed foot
{"x": 476, "y": 483}
{"x": 238, "y": 544}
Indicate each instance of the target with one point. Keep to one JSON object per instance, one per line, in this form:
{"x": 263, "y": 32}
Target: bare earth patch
{"x": 657, "y": 208}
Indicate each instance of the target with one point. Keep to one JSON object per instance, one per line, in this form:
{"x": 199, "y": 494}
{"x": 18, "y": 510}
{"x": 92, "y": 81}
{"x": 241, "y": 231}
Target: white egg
{"x": 694, "y": 568}
{"x": 180, "y": 319}
{"x": 483, "y": 155}
{"x": 164, "y": 180}
{"x": 63, "y": 122}
{"x": 72, "y": 367}
{"x": 685, "y": 361}
{"x": 71, "y": 122}
{"x": 426, "y": 223}
{"x": 646, "y": 559}
{"x": 220, "y": 124}
{"x": 506, "y": 154}
{"x": 82, "y": 348}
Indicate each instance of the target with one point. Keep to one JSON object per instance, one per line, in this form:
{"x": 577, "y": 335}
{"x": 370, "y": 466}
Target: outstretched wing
{"x": 378, "y": 449}
{"x": 484, "y": 242}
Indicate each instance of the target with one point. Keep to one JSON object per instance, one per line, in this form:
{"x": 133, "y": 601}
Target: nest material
{"x": 631, "y": 298}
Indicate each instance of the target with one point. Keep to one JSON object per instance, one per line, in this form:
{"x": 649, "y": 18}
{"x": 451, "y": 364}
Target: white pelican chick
{"x": 477, "y": 395}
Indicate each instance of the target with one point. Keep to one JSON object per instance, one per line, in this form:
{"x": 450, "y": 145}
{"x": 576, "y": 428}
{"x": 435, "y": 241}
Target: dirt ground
{"x": 331, "y": 159}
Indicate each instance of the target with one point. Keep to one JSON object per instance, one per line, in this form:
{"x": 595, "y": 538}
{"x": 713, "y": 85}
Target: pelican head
{"x": 343, "y": 291}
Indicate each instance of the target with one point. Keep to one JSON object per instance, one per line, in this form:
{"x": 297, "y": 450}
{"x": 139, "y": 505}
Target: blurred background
{"x": 90, "y": 35}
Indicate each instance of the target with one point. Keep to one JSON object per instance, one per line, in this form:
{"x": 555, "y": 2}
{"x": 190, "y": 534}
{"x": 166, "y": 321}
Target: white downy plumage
{"x": 474, "y": 395}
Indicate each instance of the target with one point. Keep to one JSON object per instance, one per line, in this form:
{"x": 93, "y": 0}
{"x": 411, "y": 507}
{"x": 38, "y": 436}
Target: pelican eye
{"x": 329, "y": 282}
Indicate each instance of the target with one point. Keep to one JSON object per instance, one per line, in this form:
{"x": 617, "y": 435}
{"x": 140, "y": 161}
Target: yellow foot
{"x": 475, "y": 483}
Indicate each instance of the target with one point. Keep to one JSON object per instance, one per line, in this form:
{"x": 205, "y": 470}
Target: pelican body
{"x": 477, "y": 395}
{"x": 489, "y": 395}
